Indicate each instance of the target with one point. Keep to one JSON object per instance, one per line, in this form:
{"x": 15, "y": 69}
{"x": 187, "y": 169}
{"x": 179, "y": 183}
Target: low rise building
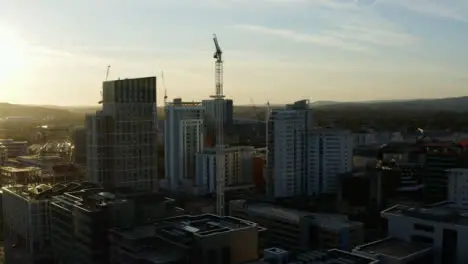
{"x": 12, "y": 175}
{"x": 26, "y": 221}
{"x": 332, "y": 256}
{"x": 395, "y": 251}
{"x": 300, "y": 230}
{"x": 202, "y": 238}
{"x": 14, "y": 148}
{"x": 79, "y": 222}
{"x": 442, "y": 226}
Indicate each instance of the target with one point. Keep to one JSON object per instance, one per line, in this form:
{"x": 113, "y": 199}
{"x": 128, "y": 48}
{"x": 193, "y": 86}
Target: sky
{"x": 56, "y": 52}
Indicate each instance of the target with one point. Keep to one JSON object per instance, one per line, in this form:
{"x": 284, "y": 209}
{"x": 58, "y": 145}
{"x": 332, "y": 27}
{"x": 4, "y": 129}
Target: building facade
{"x": 238, "y": 168}
{"x": 443, "y": 226}
{"x": 330, "y": 153}
{"x": 286, "y": 167}
{"x": 213, "y": 114}
{"x": 458, "y": 186}
{"x": 79, "y": 146}
{"x": 183, "y": 138}
{"x": 122, "y": 137}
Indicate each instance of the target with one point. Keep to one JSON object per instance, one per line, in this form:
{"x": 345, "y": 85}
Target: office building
{"x": 330, "y": 153}
{"x": 122, "y": 137}
{"x": 79, "y": 222}
{"x": 442, "y": 226}
{"x": 183, "y": 138}
{"x": 238, "y": 169}
{"x": 292, "y": 229}
{"x": 458, "y": 186}
{"x": 27, "y": 223}
{"x": 286, "y": 167}
{"x": 184, "y": 239}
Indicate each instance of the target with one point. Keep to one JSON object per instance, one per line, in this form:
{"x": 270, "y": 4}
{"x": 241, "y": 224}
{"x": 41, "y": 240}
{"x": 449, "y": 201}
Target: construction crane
{"x": 257, "y": 113}
{"x": 219, "y": 103}
{"x": 107, "y": 77}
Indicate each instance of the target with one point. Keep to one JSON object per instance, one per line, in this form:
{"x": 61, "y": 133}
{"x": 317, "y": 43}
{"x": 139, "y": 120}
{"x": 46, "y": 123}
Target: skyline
{"x": 275, "y": 50}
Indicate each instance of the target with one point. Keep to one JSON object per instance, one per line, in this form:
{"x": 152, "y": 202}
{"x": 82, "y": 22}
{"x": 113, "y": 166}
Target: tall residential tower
{"x": 183, "y": 138}
{"x": 122, "y": 137}
{"x": 287, "y": 149}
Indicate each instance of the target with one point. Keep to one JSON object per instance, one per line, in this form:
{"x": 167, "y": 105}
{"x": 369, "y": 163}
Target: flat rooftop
{"x": 182, "y": 230}
{"x": 393, "y": 247}
{"x": 15, "y": 169}
{"x": 88, "y": 199}
{"x": 333, "y": 256}
{"x": 46, "y": 191}
{"x": 331, "y": 221}
{"x": 446, "y": 212}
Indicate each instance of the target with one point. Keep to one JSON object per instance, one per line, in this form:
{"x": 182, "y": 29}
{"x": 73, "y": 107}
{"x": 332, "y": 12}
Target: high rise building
{"x": 237, "y": 164}
{"x": 287, "y": 136}
{"x": 122, "y": 137}
{"x": 330, "y": 153}
{"x": 183, "y": 138}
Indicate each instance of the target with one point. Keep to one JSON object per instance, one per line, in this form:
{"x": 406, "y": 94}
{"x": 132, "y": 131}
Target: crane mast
{"x": 219, "y": 123}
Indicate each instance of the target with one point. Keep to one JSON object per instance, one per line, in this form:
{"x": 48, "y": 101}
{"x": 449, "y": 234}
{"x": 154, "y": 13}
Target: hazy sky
{"x": 57, "y": 51}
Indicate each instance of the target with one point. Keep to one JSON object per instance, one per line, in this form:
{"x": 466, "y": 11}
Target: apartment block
{"x": 238, "y": 168}
{"x": 287, "y": 143}
{"x": 330, "y": 153}
{"x": 183, "y": 138}
{"x": 122, "y": 137}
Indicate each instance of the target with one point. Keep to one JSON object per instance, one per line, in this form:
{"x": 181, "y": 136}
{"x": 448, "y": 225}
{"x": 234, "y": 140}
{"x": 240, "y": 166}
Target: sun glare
{"x": 11, "y": 54}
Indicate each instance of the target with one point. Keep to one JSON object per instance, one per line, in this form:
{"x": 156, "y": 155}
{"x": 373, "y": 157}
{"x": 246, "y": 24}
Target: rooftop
{"x": 331, "y": 221}
{"x": 393, "y": 247}
{"x": 88, "y": 199}
{"x": 14, "y": 169}
{"x": 46, "y": 191}
{"x": 333, "y": 256}
{"x": 183, "y": 230}
{"x": 441, "y": 212}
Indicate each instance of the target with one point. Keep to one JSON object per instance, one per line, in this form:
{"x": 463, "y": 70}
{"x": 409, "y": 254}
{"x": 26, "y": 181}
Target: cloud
{"x": 344, "y": 37}
{"x": 354, "y": 25}
{"x": 446, "y": 9}
{"x": 323, "y": 39}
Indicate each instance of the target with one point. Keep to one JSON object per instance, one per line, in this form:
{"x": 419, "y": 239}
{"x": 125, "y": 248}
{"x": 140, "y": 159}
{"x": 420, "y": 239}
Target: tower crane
{"x": 164, "y": 86}
{"x": 107, "y": 77}
{"x": 219, "y": 103}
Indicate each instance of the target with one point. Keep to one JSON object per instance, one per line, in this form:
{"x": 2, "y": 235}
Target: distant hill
{"x": 453, "y": 104}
